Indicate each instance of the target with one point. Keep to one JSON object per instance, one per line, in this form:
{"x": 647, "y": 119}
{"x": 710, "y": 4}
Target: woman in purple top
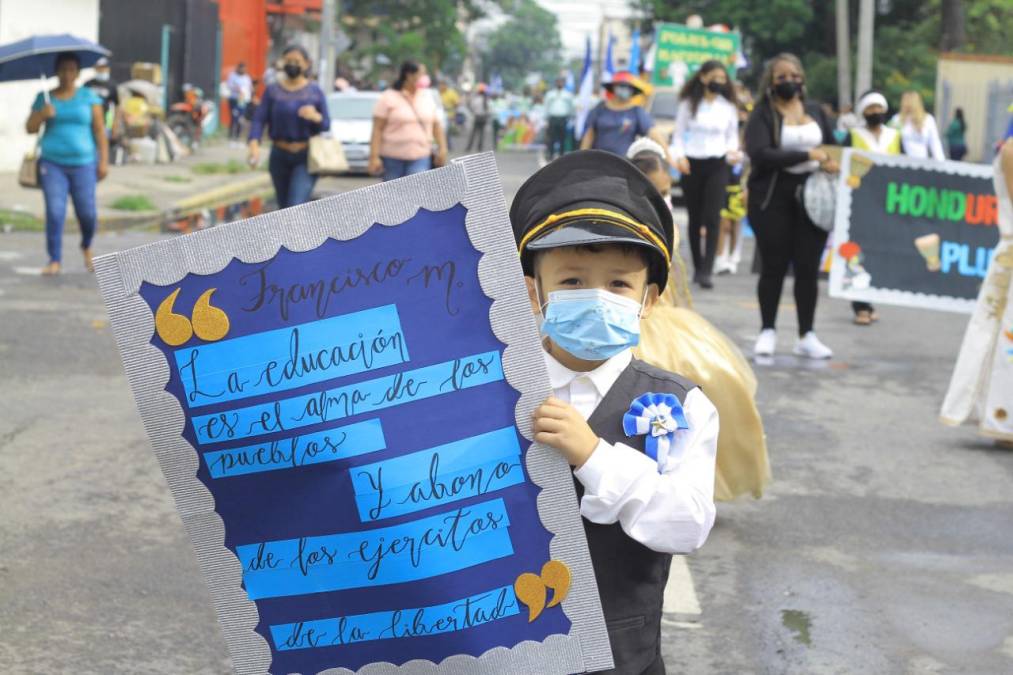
{"x": 294, "y": 109}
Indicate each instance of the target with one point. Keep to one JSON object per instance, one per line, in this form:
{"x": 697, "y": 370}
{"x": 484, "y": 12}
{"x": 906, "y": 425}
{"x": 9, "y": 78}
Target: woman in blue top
{"x": 616, "y": 122}
{"x": 75, "y": 155}
{"x": 294, "y": 109}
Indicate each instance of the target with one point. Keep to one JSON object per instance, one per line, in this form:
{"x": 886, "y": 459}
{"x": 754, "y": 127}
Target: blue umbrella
{"x": 35, "y": 57}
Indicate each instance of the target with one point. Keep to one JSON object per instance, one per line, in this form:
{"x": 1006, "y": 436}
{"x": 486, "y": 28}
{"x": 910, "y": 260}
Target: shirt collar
{"x": 602, "y": 377}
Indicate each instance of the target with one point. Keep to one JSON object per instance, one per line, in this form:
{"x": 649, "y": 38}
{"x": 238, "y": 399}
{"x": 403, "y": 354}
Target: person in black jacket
{"x": 784, "y": 136}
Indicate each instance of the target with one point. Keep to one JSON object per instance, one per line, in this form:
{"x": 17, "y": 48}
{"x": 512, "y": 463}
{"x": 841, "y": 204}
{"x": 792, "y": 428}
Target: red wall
{"x": 244, "y": 38}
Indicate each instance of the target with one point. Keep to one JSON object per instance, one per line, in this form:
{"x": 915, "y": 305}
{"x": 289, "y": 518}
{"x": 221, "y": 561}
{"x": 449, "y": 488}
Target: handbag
{"x": 818, "y": 196}
{"x": 28, "y": 174}
{"x": 326, "y": 156}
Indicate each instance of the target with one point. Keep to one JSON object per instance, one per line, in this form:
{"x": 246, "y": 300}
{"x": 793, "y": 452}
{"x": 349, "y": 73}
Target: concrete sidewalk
{"x": 215, "y": 175}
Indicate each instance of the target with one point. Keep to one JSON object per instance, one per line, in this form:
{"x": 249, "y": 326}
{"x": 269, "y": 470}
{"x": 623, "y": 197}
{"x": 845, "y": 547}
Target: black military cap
{"x": 592, "y": 197}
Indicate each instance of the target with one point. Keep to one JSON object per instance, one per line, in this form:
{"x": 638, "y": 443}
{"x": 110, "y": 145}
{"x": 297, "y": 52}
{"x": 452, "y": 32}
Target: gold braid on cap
{"x": 603, "y": 215}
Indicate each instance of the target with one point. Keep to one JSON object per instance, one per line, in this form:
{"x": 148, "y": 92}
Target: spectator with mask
{"x": 784, "y": 138}
{"x": 108, "y": 91}
{"x": 873, "y": 135}
{"x": 617, "y": 121}
{"x": 293, "y": 110}
{"x": 705, "y": 142}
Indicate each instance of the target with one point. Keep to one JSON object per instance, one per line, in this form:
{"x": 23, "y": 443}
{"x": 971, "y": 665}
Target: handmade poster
{"x": 340, "y": 397}
{"x": 912, "y": 232}
{"x": 685, "y": 49}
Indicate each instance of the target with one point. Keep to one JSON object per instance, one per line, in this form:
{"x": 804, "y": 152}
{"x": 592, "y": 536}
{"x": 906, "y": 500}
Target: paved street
{"x": 884, "y": 545}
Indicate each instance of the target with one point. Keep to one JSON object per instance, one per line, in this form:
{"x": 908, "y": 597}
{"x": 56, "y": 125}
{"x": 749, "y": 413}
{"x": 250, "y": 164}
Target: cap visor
{"x": 587, "y": 232}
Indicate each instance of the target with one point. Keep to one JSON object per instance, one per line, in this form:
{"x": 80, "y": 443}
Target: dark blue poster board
{"x": 913, "y": 232}
{"x": 354, "y": 412}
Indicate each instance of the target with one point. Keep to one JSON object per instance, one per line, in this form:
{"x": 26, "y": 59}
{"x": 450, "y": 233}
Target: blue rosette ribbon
{"x": 657, "y": 416}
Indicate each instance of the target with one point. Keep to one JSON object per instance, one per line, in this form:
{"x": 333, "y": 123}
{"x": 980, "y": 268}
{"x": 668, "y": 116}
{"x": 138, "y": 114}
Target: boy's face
{"x": 610, "y": 269}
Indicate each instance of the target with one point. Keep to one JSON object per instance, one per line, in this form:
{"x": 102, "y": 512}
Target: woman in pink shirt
{"x": 405, "y": 124}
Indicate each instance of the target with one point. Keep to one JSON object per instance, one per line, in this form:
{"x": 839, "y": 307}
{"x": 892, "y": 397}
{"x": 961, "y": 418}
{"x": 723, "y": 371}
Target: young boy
{"x": 595, "y": 242}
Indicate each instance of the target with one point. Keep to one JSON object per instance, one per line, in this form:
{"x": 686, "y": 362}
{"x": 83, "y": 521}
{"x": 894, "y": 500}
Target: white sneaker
{"x": 810, "y": 346}
{"x": 766, "y": 343}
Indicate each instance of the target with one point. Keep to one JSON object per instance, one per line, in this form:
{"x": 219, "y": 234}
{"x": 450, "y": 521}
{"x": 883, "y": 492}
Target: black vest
{"x": 631, "y": 577}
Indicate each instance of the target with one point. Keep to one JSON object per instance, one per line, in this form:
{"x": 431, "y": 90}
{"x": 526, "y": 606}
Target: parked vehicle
{"x": 187, "y": 117}
{"x": 352, "y": 124}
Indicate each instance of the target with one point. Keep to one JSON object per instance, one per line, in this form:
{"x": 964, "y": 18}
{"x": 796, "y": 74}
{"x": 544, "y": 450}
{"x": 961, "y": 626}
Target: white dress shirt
{"x": 559, "y": 103}
{"x": 712, "y": 132}
{"x": 670, "y": 512}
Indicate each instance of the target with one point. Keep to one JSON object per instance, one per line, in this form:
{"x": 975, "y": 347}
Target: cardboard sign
{"x": 340, "y": 397}
{"x": 912, "y": 232}
{"x": 679, "y": 44}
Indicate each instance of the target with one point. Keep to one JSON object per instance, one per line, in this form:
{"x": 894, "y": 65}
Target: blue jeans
{"x": 293, "y": 182}
{"x": 399, "y": 168}
{"x": 59, "y": 180}
{"x": 236, "y": 112}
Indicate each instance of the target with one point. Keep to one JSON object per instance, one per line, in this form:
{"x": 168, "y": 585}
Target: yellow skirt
{"x": 681, "y": 341}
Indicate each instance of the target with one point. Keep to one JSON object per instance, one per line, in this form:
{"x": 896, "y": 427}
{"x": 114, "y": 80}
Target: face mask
{"x": 102, "y": 77}
{"x": 592, "y": 324}
{"x": 715, "y": 87}
{"x": 873, "y": 120}
{"x": 424, "y": 82}
{"x": 293, "y": 70}
{"x": 787, "y": 90}
{"x": 623, "y": 93}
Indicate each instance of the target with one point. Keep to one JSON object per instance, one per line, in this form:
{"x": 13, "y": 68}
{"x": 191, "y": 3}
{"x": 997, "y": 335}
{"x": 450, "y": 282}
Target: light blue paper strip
{"x": 295, "y": 356}
{"x": 353, "y": 399}
{"x": 449, "y": 617}
{"x": 436, "y": 476}
{"x": 428, "y": 547}
{"x": 323, "y": 446}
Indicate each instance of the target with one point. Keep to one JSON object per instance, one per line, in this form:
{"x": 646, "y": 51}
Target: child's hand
{"x": 559, "y": 425}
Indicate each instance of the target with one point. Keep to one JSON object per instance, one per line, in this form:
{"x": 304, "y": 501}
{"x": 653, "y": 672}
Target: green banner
{"x": 692, "y": 46}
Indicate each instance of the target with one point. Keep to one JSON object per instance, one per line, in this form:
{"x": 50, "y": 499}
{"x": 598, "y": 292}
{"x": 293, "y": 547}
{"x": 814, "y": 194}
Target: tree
{"x": 527, "y": 43}
{"x": 907, "y": 36}
{"x": 422, "y": 30}
{"x": 953, "y": 26}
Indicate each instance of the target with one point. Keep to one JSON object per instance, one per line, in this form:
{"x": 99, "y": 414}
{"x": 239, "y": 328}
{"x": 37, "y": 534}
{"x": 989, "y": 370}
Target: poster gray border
{"x": 471, "y": 181}
{"x": 842, "y": 220}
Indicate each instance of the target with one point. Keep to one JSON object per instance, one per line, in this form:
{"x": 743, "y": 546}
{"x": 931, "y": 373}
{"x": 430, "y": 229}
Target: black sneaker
{"x": 705, "y": 281}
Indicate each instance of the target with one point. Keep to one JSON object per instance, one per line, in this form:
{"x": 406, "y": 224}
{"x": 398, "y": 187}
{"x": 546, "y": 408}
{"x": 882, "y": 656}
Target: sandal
{"x": 51, "y": 270}
{"x": 89, "y": 264}
{"x": 863, "y": 317}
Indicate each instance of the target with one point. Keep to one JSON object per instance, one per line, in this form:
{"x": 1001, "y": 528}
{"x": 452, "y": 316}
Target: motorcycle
{"x": 186, "y": 118}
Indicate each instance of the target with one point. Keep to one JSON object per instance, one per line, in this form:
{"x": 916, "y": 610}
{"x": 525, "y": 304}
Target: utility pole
{"x": 863, "y": 73}
{"x": 843, "y": 55}
{"x": 328, "y": 54}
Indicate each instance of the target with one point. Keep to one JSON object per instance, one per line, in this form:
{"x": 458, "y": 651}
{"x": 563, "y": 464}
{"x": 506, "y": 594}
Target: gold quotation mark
{"x": 532, "y": 589}
{"x": 209, "y": 323}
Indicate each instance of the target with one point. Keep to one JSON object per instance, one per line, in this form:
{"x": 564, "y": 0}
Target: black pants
{"x": 704, "y": 191}
{"x": 478, "y": 132}
{"x": 557, "y": 136}
{"x": 785, "y": 236}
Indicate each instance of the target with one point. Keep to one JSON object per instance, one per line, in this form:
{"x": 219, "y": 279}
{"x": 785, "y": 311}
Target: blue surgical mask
{"x": 592, "y": 324}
